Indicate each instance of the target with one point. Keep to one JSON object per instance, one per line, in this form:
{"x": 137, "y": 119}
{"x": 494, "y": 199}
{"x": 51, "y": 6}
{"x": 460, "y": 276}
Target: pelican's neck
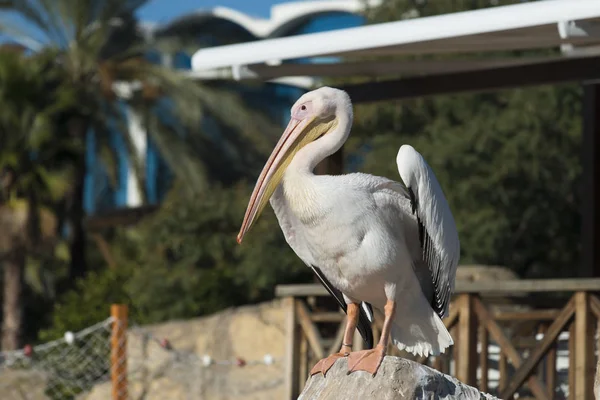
{"x": 307, "y": 158}
{"x": 299, "y": 183}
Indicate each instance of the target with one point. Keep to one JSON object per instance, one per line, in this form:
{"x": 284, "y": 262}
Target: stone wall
{"x": 249, "y": 332}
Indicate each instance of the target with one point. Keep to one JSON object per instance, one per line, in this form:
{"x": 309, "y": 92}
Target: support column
{"x": 584, "y": 349}
{"x": 467, "y": 341}
{"x": 292, "y": 351}
{"x": 590, "y": 235}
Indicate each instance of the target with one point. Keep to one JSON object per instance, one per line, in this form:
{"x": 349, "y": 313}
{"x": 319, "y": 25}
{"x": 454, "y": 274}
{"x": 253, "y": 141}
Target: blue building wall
{"x": 274, "y": 99}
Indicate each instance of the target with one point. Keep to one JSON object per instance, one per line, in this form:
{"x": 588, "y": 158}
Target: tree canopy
{"x": 102, "y": 60}
{"x": 34, "y": 171}
{"x": 509, "y": 165}
{"x": 508, "y": 161}
{"x": 98, "y": 66}
{"x": 184, "y": 262}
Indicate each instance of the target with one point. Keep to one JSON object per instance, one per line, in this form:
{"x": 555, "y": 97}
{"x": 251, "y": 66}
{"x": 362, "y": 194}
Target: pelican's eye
{"x": 303, "y": 110}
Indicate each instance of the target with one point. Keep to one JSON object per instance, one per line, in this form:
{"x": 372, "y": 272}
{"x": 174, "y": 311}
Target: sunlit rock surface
{"x": 397, "y": 379}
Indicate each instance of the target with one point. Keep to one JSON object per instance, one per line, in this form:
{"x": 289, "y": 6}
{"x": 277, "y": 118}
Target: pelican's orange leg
{"x": 325, "y": 364}
{"x": 370, "y": 360}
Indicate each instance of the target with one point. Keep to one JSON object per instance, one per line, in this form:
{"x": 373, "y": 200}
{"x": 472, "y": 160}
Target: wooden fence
{"x": 522, "y": 320}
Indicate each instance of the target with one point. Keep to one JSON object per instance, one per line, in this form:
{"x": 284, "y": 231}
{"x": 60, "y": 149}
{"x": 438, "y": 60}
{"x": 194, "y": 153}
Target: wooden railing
{"x": 509, "y": 336}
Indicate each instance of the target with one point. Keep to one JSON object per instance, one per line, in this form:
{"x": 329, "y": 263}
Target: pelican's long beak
{"x": 296, "y": 135}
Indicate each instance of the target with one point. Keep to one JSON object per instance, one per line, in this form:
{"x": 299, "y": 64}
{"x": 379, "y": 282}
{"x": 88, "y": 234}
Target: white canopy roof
{"x": 572, "y": 25}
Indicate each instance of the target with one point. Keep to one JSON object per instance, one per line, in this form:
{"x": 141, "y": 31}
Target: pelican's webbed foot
{"x": 366, "y": 360}
{"x": 325, "y": 364}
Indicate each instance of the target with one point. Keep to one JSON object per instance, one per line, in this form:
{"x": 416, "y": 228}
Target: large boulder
{"x": 397, "y": 379}
{"x": 484, "y": 273}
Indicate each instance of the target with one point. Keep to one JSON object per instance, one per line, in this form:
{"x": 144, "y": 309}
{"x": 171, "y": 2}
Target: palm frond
{"x": 96, "y": 43}
{"x": 178, "y": 154}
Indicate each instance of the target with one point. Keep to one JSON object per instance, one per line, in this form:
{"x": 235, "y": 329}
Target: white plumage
{"x": 441, "y": 245}
{"x": 375, "y": 240}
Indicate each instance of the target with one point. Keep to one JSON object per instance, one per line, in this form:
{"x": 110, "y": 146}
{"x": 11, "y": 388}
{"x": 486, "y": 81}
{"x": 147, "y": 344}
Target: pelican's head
{"x": 314, "y": 115}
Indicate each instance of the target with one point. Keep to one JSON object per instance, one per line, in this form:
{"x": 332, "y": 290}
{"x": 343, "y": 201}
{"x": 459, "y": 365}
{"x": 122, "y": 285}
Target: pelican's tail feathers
{"x": 422, "y": 334}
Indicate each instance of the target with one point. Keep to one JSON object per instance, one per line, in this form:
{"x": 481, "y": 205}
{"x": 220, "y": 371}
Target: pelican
{"x": 371, "y": 241}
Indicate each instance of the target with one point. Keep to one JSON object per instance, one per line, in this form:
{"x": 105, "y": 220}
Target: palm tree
{"x": 32, "y": 177}
{"x": 99, "y": 51}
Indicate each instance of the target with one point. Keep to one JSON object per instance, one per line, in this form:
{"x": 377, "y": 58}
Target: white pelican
{"x": 370, "y": 240}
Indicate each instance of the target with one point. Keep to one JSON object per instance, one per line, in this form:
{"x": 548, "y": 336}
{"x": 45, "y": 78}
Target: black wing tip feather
{"x": 440, "y": 299}
{"x": 364, "y": 328}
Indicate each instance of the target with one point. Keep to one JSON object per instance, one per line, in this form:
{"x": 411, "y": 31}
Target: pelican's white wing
{"x": 437, "y": 230}
{"x": 292, "y": 231}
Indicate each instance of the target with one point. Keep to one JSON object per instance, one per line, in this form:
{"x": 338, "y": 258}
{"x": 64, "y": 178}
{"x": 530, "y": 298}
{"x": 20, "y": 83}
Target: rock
{"x": 23, "y": 384}
{"x": 484, "y": 273}
{"x": 396, "y": 379}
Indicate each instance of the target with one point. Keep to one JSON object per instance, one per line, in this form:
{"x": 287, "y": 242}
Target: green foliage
{"x": 184, "y": 261}
{"x": 508, "y": 161}
{"x": 94, "y": 58}
{"x": 394, "y": 10}
{"x": 101, "y": 66}
{"x": 192, "y": 265}
{"x": 88, "y": 303}
{"x": 34, "y": 175}
{"x": 33, "y": 160}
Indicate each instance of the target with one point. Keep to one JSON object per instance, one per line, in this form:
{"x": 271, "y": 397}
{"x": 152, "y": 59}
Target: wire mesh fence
{"x": 61, "y": 369}
{"x": 113, "y": 360}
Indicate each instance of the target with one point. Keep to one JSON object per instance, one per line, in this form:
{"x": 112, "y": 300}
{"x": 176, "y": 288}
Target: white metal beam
{"x": 363, "y": 68}
{"x": 495, "y": 19}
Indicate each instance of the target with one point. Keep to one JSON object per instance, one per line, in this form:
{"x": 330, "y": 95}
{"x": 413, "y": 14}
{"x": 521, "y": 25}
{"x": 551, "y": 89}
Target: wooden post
{"x": 506, "y": 347}
{"x": 454, "y": 332}
{"x": 584, "y": 348}
{"x": 467, "y": 339}
{"x": 502, "y": 370}
{"x": 304, "y": 359}
{"x": 551, "y": 368}
{"x": 292, "y": 351}
{"x": 310, "y": 330}
{"x": 572, "y": 362}
{"x": 118, "y": 352}
{"x": 483, "y": 358}
{"x": 527, "y": 368}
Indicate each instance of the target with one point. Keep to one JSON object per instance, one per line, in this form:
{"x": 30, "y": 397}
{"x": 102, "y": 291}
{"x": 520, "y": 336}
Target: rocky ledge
{"x": 396, "y": 379}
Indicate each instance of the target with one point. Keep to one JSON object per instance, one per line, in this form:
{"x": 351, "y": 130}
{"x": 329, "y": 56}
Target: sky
{"x": 162, "y": 11}
{"x": 165, "y": 10}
